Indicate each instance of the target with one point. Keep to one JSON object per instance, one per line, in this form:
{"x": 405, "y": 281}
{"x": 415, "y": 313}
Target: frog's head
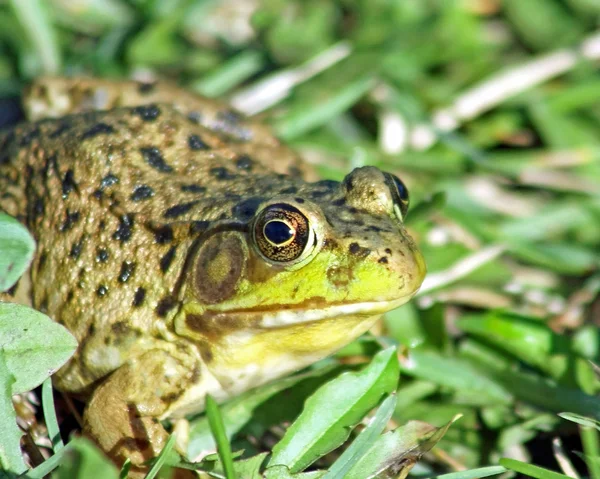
{"x": 307, "y": 273}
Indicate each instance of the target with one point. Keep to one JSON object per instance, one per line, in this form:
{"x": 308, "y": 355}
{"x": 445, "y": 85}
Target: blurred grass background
{"x": 488, "y": 109}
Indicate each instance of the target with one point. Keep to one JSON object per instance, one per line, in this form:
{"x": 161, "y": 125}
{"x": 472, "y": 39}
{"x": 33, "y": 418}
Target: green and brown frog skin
{"x": 186, "y": 252}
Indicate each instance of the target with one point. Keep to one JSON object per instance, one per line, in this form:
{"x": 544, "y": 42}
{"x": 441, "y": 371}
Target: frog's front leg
{"x": 123, "y": 413}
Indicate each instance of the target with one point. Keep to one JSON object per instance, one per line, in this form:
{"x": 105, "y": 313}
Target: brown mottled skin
{"x": 149, "y": 219}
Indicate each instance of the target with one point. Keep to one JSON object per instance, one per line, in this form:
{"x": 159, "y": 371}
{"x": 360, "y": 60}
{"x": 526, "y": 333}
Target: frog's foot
{"x": 123, "y": 413}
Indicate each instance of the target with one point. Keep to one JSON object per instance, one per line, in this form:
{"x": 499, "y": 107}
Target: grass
{"x": 489, "y": 112}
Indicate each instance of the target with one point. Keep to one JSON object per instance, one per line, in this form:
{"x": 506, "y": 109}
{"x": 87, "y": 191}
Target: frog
{"x": 189, "y": 251}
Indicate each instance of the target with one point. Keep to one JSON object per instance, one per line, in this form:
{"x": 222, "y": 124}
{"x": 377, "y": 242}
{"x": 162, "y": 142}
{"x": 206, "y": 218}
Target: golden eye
{"x": 282, "y": 233}
{"x": 399, "y": 193}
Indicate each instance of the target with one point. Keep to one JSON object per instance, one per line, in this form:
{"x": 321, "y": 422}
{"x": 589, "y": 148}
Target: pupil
{"x": 402, "y": 190}
{"x": 278, "y": 232}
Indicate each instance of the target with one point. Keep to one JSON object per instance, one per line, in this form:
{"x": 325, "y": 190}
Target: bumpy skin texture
{"x": 151, "y": 251}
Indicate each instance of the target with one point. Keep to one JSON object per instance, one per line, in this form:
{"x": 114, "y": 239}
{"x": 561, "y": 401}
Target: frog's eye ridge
{"x": 282, "y": 233}
{"x": 399, "y": 193}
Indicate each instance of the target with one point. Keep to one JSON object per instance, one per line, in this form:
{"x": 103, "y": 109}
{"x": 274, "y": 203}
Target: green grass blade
{"x": 162, "y": 457}
{"x": 317, "y": 115}
{"x": 34, "y": 17}
{"x": 591, "y": 449}
{"x": 530, "y": 470}
{"x": 363, "y": 442}
{"x": 473, "y": 473}
{"x": 47, "y": 466}
{"x": 50, "y": 415}
{"x": 218, "y": 429}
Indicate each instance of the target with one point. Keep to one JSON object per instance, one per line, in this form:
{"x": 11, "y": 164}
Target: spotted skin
{"x": 149, "y": 206}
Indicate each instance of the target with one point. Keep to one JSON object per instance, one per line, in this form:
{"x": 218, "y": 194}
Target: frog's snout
{"x": 405, "y": 264}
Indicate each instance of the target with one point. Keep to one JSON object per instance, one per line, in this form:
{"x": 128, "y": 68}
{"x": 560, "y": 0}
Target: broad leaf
{"x": 396, "y": 452}
{"x": 83, "y": 459}
{"x": 333, "y": 410}
{"x": 10, "y": 434}
{"x": 33, "y": 345}
{"x": 16, "y": 251}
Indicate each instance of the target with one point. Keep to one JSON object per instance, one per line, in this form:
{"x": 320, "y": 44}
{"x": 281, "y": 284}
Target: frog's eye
{"x": 282, "y": 233}
{"x": 399, "y": 194}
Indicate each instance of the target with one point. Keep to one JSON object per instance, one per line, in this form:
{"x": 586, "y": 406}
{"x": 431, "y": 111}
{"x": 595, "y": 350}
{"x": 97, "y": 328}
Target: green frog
{"x": 188, "y": 252}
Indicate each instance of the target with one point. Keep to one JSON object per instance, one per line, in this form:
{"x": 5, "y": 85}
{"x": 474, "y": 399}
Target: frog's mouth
{"x": 308, "y": 312}
{"x": 286, "y": 317}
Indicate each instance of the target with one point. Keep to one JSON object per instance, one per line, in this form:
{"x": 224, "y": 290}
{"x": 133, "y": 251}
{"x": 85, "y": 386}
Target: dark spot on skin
{"x": 142, "y": 192}
{"x": 123, "y": 233}
{"x": 63, "y": 127}
{"x": 339, "y": 202}
{"x": 178, "y": 210}
{"x": 383, "y": 260}
{"x": 38, "y": 207}
{"x": 146, "y": 87}
{"x": 102, "y": 225}
{"x": 327, "y": 184}
{"x": 206, "y": 353}
{"x": 162, "y": 233}
{"x": 138, "y": 298}
{"x": 290, "y": 190}
{"x": 374, "y": 228}
{"x": 167, "y": 259}
{"x": 101, "y": 291}
{"x": 198, "y": 227}
{"x": 221, "y": 173}
{"x": 247, "y": 208}
{"x": 350, "y": 184}
{"x": 244, "y": 162}
{"x": 358, "y": 250}
{"x": 127, "y": 268}
{"x": 388, "y": 251}
{"x": 97, "y": 129}
{"x": 70, "y": 219}
{"x": 70, "y": 296}
{"x": 165, "y": 305}
{"x": 352, "y": 210}
{"x": 42, "y": 260}
{"x": 108, "y": 180}
{"x": 102, "y": 255}
{"x": 153, "y": 157}
{"x": 193, "y": 188}
{"x": 299, "y": 200}
{"x": 76, "y": 249}
{"x": 68, "y": 183}
{"x": 28, "y": 137}
{"x": 147, "y": 112}
{"x": 195, "y": 143}
{"x": 121, "y": 328}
